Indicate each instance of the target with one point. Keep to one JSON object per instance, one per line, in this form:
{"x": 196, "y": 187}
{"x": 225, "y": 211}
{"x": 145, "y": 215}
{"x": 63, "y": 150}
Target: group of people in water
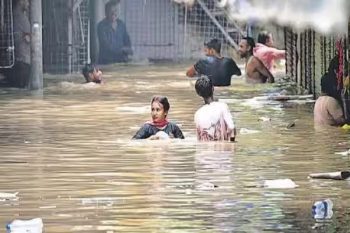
{"x": 213, "y": 70}
{"x": 218, "y": 126}
{"x": 259, "y": 60}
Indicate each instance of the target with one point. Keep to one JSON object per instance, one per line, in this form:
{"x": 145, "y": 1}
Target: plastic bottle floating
{"x": 322, "y": 209}
{"x": 25, "y": 226}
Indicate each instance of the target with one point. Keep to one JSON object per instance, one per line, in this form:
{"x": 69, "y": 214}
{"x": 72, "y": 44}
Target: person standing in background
{"x": 114, "y": 40}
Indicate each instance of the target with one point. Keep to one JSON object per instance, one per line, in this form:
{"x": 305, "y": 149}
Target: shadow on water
{"x": 70, "y": 157}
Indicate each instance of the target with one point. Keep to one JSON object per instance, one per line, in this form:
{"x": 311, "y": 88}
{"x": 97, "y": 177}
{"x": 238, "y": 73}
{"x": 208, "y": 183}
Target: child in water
{"x": 213, "y": 120}
{"x": 92, "y": 74}
{"x": 159, "y": 127}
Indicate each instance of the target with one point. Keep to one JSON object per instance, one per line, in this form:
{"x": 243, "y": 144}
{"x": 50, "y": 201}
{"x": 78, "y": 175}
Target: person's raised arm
{"x": 278, "y": 53}
{"x": 263, "y": 70}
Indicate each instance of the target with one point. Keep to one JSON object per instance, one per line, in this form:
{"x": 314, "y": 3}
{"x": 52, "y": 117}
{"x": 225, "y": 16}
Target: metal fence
{"x": 307, "y": 61}
{"x": 6, "y": 34}
{"x": 291, "y": 45}
{"x": 159, "y": 30}
{"x": 153, "y": 27}
{"x": 205, "y": 20}
{"x": 164, "y": 30}
{"x": 65, "y": 35}
{"x": 308, "y": 56}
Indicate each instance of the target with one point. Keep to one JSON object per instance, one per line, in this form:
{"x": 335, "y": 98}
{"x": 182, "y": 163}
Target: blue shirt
{"x": 115, "y": 45}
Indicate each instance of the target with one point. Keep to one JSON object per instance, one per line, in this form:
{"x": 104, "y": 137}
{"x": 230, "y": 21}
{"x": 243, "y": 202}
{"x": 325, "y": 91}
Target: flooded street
{"x": 69, "y": 156}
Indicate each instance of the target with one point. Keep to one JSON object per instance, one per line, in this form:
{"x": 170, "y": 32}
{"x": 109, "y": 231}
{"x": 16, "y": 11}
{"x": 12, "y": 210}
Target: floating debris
{"x": 248, "y": 131}
{"x": 290, "y": 125}
{"x": 345, "y": 153}
{"x": 264, "y": 119}
{"x": 8, "y": 196}
{"x": 342, "y": 175}
{"x": 280, "y": 184}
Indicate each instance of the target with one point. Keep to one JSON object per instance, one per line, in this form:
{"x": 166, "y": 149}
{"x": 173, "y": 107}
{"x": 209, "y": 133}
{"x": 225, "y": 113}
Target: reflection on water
{"x": 70, "y": 157}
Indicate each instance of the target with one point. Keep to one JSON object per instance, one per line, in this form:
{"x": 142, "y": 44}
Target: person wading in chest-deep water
{"x": 328, "y": 110}
{"x": 213, "y": 120}
{"x": 217, "y": 68}
{"x": 255, "y": 70}
{"x": 159, "y": 127}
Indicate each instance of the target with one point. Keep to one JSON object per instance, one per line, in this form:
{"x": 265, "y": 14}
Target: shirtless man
{"x": 255, "y": 70}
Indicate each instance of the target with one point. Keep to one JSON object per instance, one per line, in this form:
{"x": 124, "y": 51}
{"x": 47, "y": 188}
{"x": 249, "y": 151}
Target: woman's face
{"x": 157, "y": 112}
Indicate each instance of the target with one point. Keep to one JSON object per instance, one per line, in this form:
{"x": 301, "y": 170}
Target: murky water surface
{"x": 69, "y": 156}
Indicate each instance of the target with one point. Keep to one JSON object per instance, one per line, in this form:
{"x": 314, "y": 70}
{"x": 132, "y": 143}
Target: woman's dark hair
{"x": 204, "y": 87}
{"x": 263, "y": 37}
{"x": 213, "y": 44}
{"x": 162, "y": 100}
{"x": 329, "y": 86}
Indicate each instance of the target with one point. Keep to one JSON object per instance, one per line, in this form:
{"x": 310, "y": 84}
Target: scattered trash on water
{"x": 25, "y": 226}
{"x": 8, "y": 196}
{"x": 207, "y": 186}
{"x": 290, "y": 125}
{"x": 344, "y": 153}
{"x": 322, "y": 209}
{"x": 255, "y": 102}
{"x": 248, "y": 131}
{"x": 109, "y": 201}
{"x": 346, "y": 127}
{"x": 289, "y": 97}
{"x": 342, "y": 175}
{"x": 264, "y": 119}
{"x": 280, "y": 184}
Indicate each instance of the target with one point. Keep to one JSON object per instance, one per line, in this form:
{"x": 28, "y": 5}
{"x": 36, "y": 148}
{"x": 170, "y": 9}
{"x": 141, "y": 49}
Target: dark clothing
{"x": 219, "y": 70}
{"x": 115, "y": 45}
{"x": 21, "y": 27}
{"x": 148, "y": 130}
{"x": 19, "y": 75}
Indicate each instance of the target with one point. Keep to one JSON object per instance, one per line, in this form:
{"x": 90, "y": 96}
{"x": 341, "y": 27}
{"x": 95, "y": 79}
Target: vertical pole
{"x": 70, "y": 35}
{"x": 185, "y": 32}
{"x": 36, "y": 71}
{"x": 98, "y": 13}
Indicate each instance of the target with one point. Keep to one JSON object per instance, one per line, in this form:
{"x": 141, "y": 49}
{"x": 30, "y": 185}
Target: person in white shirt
{"x": 213, "y": 120}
